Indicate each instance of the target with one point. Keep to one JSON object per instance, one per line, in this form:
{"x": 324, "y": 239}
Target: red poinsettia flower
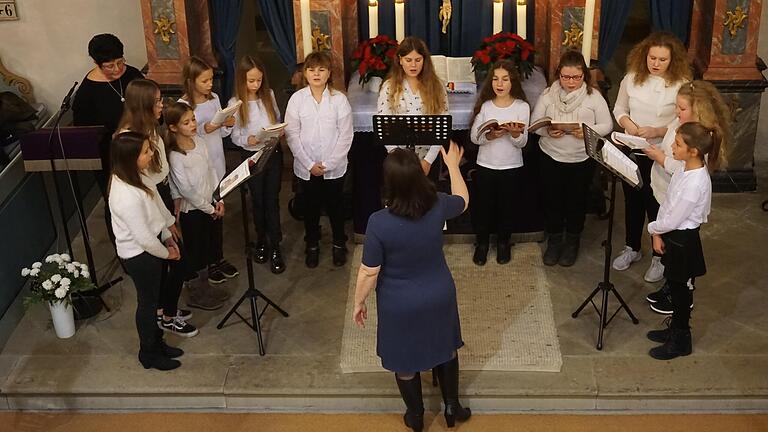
{"x": 373, "y": 57}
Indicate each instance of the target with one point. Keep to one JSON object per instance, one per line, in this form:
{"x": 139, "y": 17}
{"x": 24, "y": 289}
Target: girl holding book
{"x": 565, "y": 167}
{"x": 319, "y": 134}
{"x": 500, "y": 158}
{"x": 198, "y": 94}
{"x": 645, "y": 105}
{"x": 257, "y": 111}
{"x": 413, "y": 88}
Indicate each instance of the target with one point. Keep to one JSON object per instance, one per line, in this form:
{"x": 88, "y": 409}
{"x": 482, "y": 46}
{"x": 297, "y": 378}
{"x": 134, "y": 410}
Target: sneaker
{"x": 182, "y": 314}
{"x": 179, "y": 327}
{"x": 626, "y": 258}
{"x": 664, "y": 306}
{"x": 655, "y": 272}
{"x": 691, "y": 286}
{"x": 227, "y": 269}
{"x": 215, "y": 276}
{"x": 659, "y": 295}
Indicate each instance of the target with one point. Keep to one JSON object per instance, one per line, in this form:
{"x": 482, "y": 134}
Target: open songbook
{"x": 621, "y": 163}
{"x": 269, "y": 132}
{"x": 224, "y": 113}
{"x": 243, "y": 171}
{"x": 567, "y": 127}
{"x": 631, "y": 141}
{"x": 494, "y": 124}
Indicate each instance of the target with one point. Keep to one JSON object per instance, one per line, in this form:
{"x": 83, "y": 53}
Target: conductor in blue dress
{"x": 418, "y": 317}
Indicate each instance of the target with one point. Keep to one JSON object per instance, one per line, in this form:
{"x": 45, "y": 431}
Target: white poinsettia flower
{"x": 65, "y": 282}
{"x": 65, "y": 257}
{"x": 56, "y": 278}
{"x": 37, "y": 265}
{"x": 25, "y": 272}
{"x": 61, "y": 292}
{"x": 47, "y": 285}
{"x": 34, "y": 272}
{"x": 85, "y": 274}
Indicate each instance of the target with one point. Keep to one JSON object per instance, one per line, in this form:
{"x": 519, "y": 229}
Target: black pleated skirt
{"x": 683, "y": 255}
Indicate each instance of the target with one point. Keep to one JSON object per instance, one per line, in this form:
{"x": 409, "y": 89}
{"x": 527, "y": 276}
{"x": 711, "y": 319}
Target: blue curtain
{"x": 613, "y": 18}
{"x": 673, "y": 16}
{"x": 278, "y": 17}
{"x": 226, "y": 24}
{"x": 471, "y": 21}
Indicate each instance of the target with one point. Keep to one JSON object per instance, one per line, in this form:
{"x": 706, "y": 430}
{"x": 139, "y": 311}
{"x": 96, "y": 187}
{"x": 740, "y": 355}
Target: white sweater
{"x": 194, "y": 177}
{"x": 137, "y": 221}
{"x": 649, "y": 104}
{"x": 257, "y": 119}
{"x": 204, "y": 113}
{"x": 504, "y": 152}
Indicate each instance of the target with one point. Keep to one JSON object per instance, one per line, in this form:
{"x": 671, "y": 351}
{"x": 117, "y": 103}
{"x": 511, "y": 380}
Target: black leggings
{"x": 496, "y": 193}
{"x": 639, "y": 204}
{"x": 566, "y": 186}
{"x": 265, "y": 200}
{"x": 320, "y": 193}
{"x": 147, "y": 272}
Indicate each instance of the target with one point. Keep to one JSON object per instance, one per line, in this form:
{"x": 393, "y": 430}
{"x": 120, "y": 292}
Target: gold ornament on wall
{"x": 735, "y": 20}
{"x": 573, "y": 36}
{"x": 445, "y": 14}
{"x": 164, "y": 27}
{"x": 320, "y": 41}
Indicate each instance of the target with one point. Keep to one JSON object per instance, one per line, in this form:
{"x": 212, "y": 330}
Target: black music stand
{"x": 593, "y": 143}
{"x": 413, "y": 131}
{"x": 252, "y": 294}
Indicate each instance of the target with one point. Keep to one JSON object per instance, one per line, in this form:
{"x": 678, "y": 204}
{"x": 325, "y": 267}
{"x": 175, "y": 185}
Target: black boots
{"x": 503, "y": 251}
{"x": 260, "y": 252}
{"x": 677, "y": 343}
{"x": 570, "y": 250}
{"x": 554, "y": 249}
{"x": 448, "y": 377}
{"x": 276, "y": 263}
{"x": 481, "y": 254}
{"x": 313, "y": 256}
{"x": 339, "y": 254}
{"x": 410, "y": 390}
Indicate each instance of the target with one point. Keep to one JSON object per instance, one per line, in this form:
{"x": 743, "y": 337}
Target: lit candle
{"x": 522, "y": 16}
{"x": 373, "y": 18}
{"x": 399, "y": 20}
{"x": 589, "y": 22}
{"x": 498, "y": 12}
{"x": 306, "y": 28}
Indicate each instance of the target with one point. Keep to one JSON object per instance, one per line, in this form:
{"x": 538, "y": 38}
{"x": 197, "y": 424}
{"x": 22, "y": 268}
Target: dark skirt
{"x": 683, "y": 255}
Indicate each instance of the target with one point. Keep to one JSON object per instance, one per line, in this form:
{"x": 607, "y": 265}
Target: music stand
{"x": 593, "y": 143}
{"x": 252, "y": 294}
{"x": 413, "y": 131}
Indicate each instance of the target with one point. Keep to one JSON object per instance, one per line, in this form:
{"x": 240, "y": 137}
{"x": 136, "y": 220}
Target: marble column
{"x": 166, "y": 36}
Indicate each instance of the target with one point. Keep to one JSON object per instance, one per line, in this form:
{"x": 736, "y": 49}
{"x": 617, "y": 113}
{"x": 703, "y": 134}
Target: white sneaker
{"x": 655, "y": 272}
{"x": 626, "y": 258}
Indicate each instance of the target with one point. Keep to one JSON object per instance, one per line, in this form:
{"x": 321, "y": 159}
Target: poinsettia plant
{"x": 55, "y": 279}
{"x": 373, "y": 57}
{"x": 504, "y": 46}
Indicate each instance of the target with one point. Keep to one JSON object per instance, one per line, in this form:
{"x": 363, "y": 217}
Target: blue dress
{"x": 416, "y": 297}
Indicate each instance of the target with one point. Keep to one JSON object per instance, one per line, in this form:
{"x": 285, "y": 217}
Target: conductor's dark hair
{"x": 407, "y": 191}
{"x": 105, "y": 47}
{"x": 124, "y": 154}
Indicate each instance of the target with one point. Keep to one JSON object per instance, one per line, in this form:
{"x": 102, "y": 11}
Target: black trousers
{"x": 497, "y": 192}
{"x": 320, "y": 193}
{"x": 174, "y": 272}
{"x": 199, "y": 231}
{"x": 639, "y": 204}
{"x": 265, "y": 200}
{"x": 566, "y": 190}
{"x": 147, "y": 272}
{"x": 681, "y": 303}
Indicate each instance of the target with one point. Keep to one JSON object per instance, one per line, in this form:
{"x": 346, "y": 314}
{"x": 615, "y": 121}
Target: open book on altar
{"x": 567, "y": 127}
{"x": 456, "y": 73}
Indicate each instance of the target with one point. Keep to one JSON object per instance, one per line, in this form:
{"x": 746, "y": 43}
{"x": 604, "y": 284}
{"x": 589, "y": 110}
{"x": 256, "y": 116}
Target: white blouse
{"x": 257, "y": 119}
{"x": 319, "y": 132}
{"x": 687, "y": 204}
{"x": 651, "y": 103}
{"x": 194, "y": 177}
{"x": 504, "y": 152}
{"x": 409, "y": 104}
{"x": 204, "y": 113}
{"x": 137, "y": 220}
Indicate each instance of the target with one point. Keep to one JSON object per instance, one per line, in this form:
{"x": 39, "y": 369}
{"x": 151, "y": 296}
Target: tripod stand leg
{"x": 624, "y": 305}
{"x": 603, "y": 314}
{"x": 257, "y": 324}
{"x": 588, "y": 299}
{"x": 231, "y": 311}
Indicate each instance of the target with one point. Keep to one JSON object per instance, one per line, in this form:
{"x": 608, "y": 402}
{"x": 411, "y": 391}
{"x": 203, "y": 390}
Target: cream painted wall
{"x": 49, "y": 43}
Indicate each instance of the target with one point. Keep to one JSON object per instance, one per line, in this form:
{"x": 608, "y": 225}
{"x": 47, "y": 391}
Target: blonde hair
{"x": 432, "y": 90}
{"x": 710, "y": 110}
{"x": 193, "y": 68}
{"x": 679, "y": 69}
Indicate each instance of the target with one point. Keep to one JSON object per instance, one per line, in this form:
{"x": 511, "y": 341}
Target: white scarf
{"x": 562, "y": 104}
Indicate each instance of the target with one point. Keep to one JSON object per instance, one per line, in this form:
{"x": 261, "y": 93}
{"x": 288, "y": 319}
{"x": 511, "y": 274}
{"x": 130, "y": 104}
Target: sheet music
{"x": 620, "y": 162}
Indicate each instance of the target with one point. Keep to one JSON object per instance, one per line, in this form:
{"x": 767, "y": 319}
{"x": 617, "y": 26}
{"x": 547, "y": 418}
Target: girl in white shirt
{"x": 143, "y": 241}
{"x": 198, "y": 94}
{"x": 195, "y": 180}
{"x": 697, "y": 101}
{"x": 319, "y": 134}
{"x": 413, "y": 88}
{"x": 645, "y": 105}
{"x": 565, "y": 167}
{"x": 259, "y": 110}
{"x": 498, "y": 180}
{"x": 676, "y": 231}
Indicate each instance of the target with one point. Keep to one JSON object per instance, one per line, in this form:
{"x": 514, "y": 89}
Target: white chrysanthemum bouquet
{"x": 56, "y": 279}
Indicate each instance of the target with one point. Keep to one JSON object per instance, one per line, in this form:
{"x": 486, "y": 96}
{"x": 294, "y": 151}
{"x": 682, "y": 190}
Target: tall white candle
{"x": 399, "y": 20}
{"x": 589, "y": 22}
{"x": 522, "y": 16}
{"x": 373, "y": 18}
{"x": 498, "y": 13}
{"x": 306, "y": 28}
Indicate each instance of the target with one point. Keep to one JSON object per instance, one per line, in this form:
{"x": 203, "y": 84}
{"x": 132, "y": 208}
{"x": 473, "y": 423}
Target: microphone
{"x": 65, "y": 103}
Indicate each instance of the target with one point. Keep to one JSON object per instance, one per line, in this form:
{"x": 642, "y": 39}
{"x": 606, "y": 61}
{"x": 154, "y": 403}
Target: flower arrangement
{"x": 56, "y": 279}
{"x": 373, "y": 57}
{"x": 504, "y": 46}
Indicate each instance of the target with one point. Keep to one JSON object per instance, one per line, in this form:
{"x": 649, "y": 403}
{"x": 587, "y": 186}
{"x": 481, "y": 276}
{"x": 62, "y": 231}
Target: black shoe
{"x": 158, "y": 361}
{"x": 481, "y": 254}
{"x": 215, "y": 276}
{"x": 448, "y": 377}
{"x": 260, "y": 253}
{"x": 678, "y": 344}
{"x": 169, "y": 351}
{"x": 664, "y": 306}
{"x": 661, "y": 336}
{"x": 182, "y": 314}
{"x": 276, "y": 263}
{"x": 503, "y": 252}
{"x": 554, "y": 249}
{"x": 179, "y": 327}
{"x": 659, "y": 295}
{"x": 570, "y": 250}
{"x": 313, "y": 256}
{"x": 227, "y": 269}
{"x": 410, "y": 391}
{"x": 339, "y": 255}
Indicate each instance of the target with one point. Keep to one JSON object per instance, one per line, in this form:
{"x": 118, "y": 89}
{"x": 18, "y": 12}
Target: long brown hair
{"x": 139, "y": 114}
{"x": 432, "y": 90}
{"x": 487, "y": 93}
{"x": 707, "y": 141}
{"x": 407, "y": 191}
{"x": 679, "y": 69}
{"x": 193, "y": 68}
{"x": 124, "y": 154}
{"x": 573, "y": 58}
{"x": 264, "y": 94}
{"x": 318, "y": 59}
{"x": 172, "y": 115}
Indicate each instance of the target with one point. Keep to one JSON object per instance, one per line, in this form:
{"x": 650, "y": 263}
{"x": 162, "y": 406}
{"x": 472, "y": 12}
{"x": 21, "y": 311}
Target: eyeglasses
{"x": 571, "y": 77}
{"x": 116, "y": 65}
